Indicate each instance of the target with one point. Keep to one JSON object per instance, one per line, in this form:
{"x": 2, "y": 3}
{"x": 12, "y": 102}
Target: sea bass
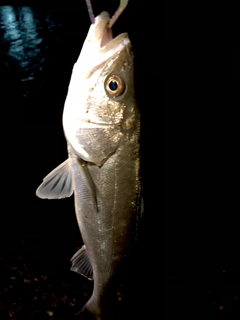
{"x": 101, "y": 124}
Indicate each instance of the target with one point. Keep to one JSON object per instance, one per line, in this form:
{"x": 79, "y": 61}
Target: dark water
{"x": 34, "y": 61}
{"x": 22, "y": 41}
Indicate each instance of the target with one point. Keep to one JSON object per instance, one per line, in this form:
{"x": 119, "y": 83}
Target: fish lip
{"x": 116, "y": 43}
{"x": 103, "y": 34}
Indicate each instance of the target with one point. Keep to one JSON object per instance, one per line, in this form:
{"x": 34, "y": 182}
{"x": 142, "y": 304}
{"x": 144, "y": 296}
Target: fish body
{"x": 101, "y": 124}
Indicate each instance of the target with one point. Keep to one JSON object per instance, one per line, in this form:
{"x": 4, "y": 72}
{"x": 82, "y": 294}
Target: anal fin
{"x": 81, "y": 263}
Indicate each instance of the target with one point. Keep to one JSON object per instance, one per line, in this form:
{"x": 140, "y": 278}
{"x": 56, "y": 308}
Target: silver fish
{"x": 101, "y": 123}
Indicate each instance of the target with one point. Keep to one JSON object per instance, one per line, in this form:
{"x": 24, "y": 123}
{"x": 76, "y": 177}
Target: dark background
{"x": 201, "y": 138}
{"x": 39, "y": 43}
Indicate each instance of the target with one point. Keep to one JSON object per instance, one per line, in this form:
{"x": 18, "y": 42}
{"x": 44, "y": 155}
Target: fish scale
{"x": 102, "y": 130}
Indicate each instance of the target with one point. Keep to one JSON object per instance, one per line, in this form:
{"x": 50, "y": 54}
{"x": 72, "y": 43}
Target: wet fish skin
{"x": 103, "y": 168}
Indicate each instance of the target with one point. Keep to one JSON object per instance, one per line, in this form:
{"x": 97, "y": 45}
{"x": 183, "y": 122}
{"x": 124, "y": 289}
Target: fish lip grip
{"x": 122, "y": 6}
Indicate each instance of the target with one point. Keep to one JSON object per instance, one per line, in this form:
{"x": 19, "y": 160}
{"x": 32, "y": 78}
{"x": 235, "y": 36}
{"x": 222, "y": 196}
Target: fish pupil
{"x": 113, "y": 85}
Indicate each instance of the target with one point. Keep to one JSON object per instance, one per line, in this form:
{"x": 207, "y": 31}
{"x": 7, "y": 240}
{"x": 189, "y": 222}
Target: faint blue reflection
{"x": 20, "y": 34}
{"x": 12, "y": 33}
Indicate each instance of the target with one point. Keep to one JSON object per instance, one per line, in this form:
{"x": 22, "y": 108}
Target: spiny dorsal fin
{"x": 57, "y": 184}
{"x": 81, "y": 263}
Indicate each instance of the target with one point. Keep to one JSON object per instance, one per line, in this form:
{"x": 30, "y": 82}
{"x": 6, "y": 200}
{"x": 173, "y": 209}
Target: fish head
{"x": 100, "y": 92}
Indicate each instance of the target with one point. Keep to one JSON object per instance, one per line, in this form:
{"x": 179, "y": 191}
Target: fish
{"x": 102, "y": 124}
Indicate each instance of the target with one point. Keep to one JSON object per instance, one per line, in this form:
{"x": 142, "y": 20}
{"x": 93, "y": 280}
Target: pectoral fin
{"x": 81, "y": 263}
{"x": 57, "y": 184}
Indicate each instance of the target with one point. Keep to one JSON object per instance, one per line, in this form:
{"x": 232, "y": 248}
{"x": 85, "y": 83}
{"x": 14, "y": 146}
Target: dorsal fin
{"x": 57, "y": 184}
{"x": 81, "y": 263}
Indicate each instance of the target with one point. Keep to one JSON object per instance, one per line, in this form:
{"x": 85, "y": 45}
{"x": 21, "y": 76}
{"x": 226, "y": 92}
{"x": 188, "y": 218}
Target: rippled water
{"x": 30, "y": 49}
{"x": 25, "y": 53}
{"x": 22, "y": 38}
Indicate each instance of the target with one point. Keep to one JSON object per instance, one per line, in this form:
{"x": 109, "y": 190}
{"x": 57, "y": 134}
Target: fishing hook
{"x": 90, "y": 11}
{"x": 122, "y": 6}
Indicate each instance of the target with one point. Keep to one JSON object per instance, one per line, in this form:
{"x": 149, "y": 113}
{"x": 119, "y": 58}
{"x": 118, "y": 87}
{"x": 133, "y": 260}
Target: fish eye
{"x": 114, "y": 86}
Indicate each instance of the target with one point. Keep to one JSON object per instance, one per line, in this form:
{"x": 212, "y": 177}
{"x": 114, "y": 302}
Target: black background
{"x": 201, "y": 135}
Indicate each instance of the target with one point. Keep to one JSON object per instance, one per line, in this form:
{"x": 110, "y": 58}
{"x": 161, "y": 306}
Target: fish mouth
{"x": 99, "y": 46}
{"x": 103, "y": 35}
